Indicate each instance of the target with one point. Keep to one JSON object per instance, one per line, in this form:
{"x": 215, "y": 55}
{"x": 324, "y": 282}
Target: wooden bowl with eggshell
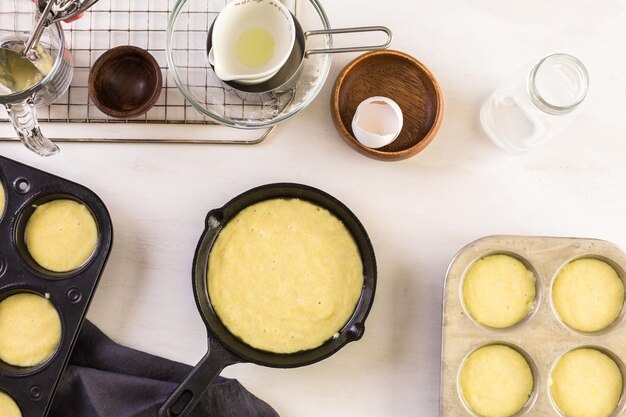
{"x": 401, "y": 78}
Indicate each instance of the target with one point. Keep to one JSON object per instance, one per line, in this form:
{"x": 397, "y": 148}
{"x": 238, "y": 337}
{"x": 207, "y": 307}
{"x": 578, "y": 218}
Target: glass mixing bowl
{"x": 188, "y": 61}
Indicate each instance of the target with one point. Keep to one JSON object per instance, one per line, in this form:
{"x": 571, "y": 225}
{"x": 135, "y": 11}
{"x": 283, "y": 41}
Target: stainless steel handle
{"x": 35, "y": 35}
{"x": 362, "y": 29}
{"x": 66, "y": 9}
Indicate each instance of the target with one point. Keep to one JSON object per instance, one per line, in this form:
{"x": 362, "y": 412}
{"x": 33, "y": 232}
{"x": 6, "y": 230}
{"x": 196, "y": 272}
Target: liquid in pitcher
{"x": 18, "y": 73}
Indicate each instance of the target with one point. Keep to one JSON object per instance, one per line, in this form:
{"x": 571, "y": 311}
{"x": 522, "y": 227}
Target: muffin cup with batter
{"x": 587, "y": 382}
{"x": 31, "y": 330}
{"x": 3, "y": 198}
{"x": 588, "y": 295}
{"x": 57, "y": 235}
{"x": 497, "y": 380}
{"x": 500, "y": 290}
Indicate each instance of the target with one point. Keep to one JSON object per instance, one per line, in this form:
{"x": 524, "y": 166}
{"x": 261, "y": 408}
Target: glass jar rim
{"x": 541, "y": 101}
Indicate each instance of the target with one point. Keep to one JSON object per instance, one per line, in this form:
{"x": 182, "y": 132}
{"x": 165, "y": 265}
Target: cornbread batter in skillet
{"x": 588, "y": 295}
{"x": 61, "y": 235}
{"x": 8, "y": 407}
{"x": 30, "y": 329}
{"x": 284, "y": 275}
{"x": 496, "y": 381}
{"x": 586, "y": 383}
{"x": 499, "y": 291}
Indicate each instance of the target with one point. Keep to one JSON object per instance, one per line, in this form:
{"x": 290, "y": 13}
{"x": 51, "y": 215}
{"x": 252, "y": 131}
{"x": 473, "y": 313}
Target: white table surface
{"x": 418, "y": 213}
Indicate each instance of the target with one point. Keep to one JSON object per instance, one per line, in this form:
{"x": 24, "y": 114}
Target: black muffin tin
{"x": 25, "y": 188}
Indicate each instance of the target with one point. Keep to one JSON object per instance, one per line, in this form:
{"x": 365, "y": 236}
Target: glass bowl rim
{"x": 227, "y": 121}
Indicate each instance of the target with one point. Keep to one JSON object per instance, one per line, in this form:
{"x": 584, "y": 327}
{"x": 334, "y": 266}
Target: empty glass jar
{"x": 534, "y": 104}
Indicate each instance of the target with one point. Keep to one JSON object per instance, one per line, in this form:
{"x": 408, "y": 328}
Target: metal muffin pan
{"x": 542, "y": 338}
{"x": 25, "y": 188}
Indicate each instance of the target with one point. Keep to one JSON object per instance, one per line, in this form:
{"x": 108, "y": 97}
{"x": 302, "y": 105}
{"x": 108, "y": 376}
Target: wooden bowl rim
{"x": 115, "y": 53}
{"x": 377, "y": 153}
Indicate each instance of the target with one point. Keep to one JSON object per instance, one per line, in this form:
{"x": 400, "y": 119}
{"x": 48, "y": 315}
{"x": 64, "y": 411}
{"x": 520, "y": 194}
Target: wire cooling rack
{"x": 142, "y": 23}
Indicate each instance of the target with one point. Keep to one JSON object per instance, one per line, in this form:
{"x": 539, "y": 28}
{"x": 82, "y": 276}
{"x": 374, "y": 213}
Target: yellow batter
{"x": 3, "y": 199}
{"x": 8, "y": 407}
{"x": 30, "y": 329}
{"x": 496, "y": 381}
{"x": 586, "y": 383}
{"x": 499, "y": 291}
{"x": 588, "y": 295}
{"x": 285, "y": 275}
{"x": 61, "y": 235}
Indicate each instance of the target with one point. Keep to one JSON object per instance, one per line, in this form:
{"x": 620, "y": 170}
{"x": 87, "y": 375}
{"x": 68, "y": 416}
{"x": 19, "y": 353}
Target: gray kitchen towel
{"x": 105, "y": 379}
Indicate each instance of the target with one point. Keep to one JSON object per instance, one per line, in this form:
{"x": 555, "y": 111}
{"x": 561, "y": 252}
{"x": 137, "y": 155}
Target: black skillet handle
{"x": 190, "y": 391}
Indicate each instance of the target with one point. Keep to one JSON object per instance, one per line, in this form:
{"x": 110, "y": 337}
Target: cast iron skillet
{"x": 224, "y": 348}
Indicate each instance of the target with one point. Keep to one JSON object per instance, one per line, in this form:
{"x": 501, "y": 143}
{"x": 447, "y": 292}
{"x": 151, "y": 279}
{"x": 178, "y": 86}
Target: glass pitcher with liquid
{"x": 29, "y": 83}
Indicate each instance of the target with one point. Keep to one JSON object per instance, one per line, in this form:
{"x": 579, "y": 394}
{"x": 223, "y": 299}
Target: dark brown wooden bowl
{"x": 405, "y": 80}
{"x": 125, "y": 82}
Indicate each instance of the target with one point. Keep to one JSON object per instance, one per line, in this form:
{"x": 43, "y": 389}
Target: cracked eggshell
{"x": 377, "y": 122}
